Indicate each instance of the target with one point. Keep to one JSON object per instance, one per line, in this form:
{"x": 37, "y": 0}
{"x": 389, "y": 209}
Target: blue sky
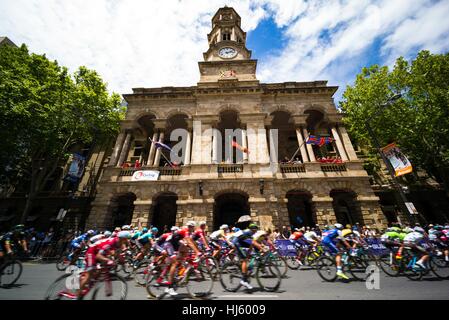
{"x": 152, "y": 43}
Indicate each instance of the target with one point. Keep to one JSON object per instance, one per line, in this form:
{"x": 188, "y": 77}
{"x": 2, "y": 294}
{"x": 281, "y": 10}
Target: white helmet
{"x": 338, "y": 226}
{"x": 107, "y": 234}
{"x": 191, "y": 224}
{"x": 174, "y": 228}
{"x": 126, "y": 227}
{"x": 419, "y": 229}
{"x": 90, "y": 232}
{"x": 124, "y": 235}
{"x": 202, "y": 223}
{"x": 224, "y": 227}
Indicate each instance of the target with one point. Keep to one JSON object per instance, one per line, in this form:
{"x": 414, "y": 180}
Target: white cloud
{"x": 143, "y": 43}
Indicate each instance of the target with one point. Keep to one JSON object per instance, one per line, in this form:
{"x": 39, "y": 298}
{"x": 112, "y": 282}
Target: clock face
{"x": 227, "y": 52}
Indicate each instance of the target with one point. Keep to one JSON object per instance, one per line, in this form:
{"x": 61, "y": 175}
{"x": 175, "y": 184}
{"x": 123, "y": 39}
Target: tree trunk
{"x": 27, "y": 208}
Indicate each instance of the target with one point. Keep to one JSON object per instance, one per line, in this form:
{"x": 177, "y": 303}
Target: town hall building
{"x": 275, "y": 177}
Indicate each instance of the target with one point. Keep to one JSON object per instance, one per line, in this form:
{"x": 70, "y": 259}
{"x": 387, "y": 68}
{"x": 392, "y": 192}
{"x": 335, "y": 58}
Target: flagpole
{"x": 297, "y": 150}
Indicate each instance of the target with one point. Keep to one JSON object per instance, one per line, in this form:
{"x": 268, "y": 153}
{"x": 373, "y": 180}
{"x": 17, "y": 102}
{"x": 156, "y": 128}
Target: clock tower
{"x": 227, "y": 59}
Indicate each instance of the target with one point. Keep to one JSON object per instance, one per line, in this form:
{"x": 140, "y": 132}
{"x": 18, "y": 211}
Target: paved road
{"x": 303, "y": 284}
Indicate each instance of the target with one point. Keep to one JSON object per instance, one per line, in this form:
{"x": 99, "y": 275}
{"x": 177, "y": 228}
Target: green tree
{"x": 44, "y": 111}
{"x": 418, "y": 122}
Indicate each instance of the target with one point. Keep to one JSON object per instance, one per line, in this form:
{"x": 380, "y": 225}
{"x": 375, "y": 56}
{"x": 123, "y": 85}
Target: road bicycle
{"x": 327, "y": 268}
{"x": 10, "y": 271}
{"x": 195, "y": 275}
{"x": 105, "y": 284}
{"x": 263, "y": 267}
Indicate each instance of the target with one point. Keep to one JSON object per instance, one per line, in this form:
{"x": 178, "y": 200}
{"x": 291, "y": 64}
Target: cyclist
{"x": 145, "y": 242}
{"x": 219, "y": 238}
{"x": 312, "y": 237}
{"x": 180, "y": 241}
{"x": 413, "y": 240}
{"x": 331, "y": 240}
{"x": 440, "y": 239}
{"x": 15, "y": 237}
{"x": 78, "y": 244}
{"x": 199, "y": 236}
{"x": 244, "y": 239}
{"x": 101, "y": 252}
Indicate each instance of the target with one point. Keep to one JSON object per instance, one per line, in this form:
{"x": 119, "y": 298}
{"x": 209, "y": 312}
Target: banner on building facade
{"x": 145, "y": 175}
{"x": 76, "y": 168}
{"x": 398, "y": 160}
{"x": 286, "y": 248}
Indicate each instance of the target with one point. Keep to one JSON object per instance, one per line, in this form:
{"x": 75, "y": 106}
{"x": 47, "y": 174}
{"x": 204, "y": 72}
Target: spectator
{"x": 285, "y": 233}
{"x": 276, "y": 234}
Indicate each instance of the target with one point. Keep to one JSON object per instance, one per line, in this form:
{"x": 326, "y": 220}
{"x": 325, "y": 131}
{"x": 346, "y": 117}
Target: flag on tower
{"x": 319, "y": 141}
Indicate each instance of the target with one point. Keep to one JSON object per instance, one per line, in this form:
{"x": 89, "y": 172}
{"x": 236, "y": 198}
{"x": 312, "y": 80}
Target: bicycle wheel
{"x": 231, "y": 276}
{"x": 62, "y": 263}
{"x": 326, "y": 268}
{"x": 199, "y": 282}
{"x": 389, "y": 264}
{"x": 140, "y": 273}
{"x": 63, "y": 288}
{"x": 292, "y": 262}
{"x": 212, "y": 265}
{"x": 268, "y": 275}
{"x": 154, "y": 289}
{"x": 409, "y": 271}
{"x": 281, "y": 263}
{"x": 357, "y": 268}
{"x": 10, "y": 272}
{"x": 112, "y": 288}
{"x": 439, "y": 267}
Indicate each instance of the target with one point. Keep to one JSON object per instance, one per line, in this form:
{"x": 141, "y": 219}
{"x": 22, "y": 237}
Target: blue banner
{"x": 286, "y": 248}
{"x": 376, "y": 247}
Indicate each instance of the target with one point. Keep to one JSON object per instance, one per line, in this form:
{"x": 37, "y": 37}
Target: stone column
{"x": 117, "y": 148}
{"x": 302, "y": 145}
{"x": 244, "y": 145}
{"x": 309, "y": 146}
{"x": 252, "y": 142}
{"x": 196, "y": 145}
{"x": 150, "y": 159}
{"x": 215, "y": 142}
{"x": 157, "y": 157}
{"x": 125, "y": 149}
{"x": 188, "y": 149}
{"x": 206, "y": 143}
{"x": 340, "y": 148}
{"x": 324, "y": 210}
{"x": 141, "y": 213}
{"x": 274, "y": 147}
{"x": 262, "y": 155}
{"x": 347, "y": 143}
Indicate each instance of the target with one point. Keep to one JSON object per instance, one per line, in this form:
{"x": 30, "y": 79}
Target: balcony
{"x": 230, "y": 168}
{"x": 333, "y": 167}
{"x": 292, "y": 168}
{"x": 163, "y": 171}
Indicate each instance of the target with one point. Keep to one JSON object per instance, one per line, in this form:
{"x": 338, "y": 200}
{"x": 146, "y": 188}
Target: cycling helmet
{"x": 124, "y": 235}
{"x": 144, "y": 230}
{"x": 126, "y": 227}
{"x": 191, "y": 224}
{"x": 90, "y": 232}
{"x": 154, "y": 230}
{"x": 419, "y": 229}
{"x": 202, "y": 223}
{"x": 107, "y": 234}
{"x": 338, "y": 226}
{"x": 174, "y": 228}
{"x": 253, "y": 226}
{"x": 19, "y": 227}
{"x": 224, "y": 227}
{"x": 394, "y": 229}
{"x": 236, "y": 229}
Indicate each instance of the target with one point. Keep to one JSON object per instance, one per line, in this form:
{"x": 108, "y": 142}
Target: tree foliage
{"x": 418, "y": 122}
{"x": 44, "y": 111}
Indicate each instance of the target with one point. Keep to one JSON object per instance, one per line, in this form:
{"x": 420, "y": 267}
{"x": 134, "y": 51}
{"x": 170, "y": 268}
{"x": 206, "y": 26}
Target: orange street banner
{"x": 397, "y": 159}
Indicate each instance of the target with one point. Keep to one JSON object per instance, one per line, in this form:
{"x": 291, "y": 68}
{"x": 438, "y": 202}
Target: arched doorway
{"x": 230, "y": 129}
{"x": 122, "y": 209}
{"x": 164, "y": 211}
{"x": 229, "y": 207}
{"x": 287, "y": 139}
{"x": 300, "y": 208}
{"x": 346, "y": 207}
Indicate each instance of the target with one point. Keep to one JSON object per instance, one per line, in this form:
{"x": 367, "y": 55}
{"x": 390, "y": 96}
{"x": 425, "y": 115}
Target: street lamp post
{"x": 402, "y": 198}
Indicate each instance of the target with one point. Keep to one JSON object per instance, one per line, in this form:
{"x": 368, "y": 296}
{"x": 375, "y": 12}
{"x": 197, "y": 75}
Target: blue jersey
{"x": 243, "y": 236}
{"x": 80, "y": 239}
{"x": 332, "y": 235}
